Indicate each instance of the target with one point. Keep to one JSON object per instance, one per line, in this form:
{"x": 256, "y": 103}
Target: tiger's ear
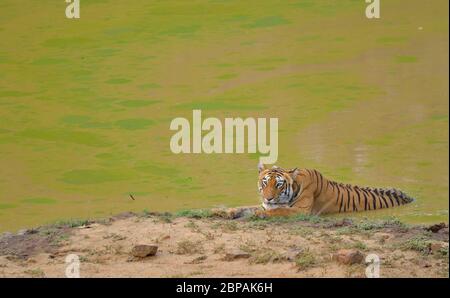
{"x": 294, "y": 173}
{"x": 261, "y": 167}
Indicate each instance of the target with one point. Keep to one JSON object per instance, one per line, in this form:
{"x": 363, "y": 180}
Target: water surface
{"x": 85, "y": 105}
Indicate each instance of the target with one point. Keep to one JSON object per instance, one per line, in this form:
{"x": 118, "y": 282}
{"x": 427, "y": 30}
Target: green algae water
{"x": 86, "y": 104}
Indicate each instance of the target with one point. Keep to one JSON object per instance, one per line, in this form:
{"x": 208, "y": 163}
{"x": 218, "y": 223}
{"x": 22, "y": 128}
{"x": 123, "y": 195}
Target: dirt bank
{"x": 200, "y": 243}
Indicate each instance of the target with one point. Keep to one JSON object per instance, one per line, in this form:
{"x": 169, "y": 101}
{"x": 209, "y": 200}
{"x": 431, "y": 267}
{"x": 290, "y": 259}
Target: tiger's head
{"x": 275, "y": 186}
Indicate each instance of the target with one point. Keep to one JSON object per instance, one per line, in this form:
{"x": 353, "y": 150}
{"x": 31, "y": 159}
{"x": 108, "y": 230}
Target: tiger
{"x": 307, "y": 191}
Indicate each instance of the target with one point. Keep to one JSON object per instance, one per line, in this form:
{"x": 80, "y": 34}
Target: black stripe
{"x": 337, "y": 200}
{"x": 390, "y": 194}
{"x": 374, "y": 202}
{"x": 381, "y": 198}
{"x": 317, "y": 180}
{"x": 359, "y": 197}
{"x": 321, "y": 182}
{"x": 389, "y": 197}
{"x": 378, "y": 199}
{"x": 348, "y": 198}
{"x": 366, "y": 205}
{"x": 383, "y": 193}
{"x": 375, "y": 193}
{"x": 353, "y": 200}
{"x": 402, "y": 196}
{"x": 396, "y": 197}
{"x": 342, "y": 200}
{"x": 294, "y": 195}
{"x": 384, "y": 200}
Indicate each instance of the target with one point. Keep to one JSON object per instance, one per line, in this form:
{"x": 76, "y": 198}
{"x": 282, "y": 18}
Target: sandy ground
{"x": 217, "y": 247}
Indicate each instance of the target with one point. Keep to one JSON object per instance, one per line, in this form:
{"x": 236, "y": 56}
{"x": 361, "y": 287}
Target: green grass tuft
{"x": 305, "y": 260}
{"x": 367, "y": 225}
{"x": 418, "y": 243}
{"x": 195, "y": 213}
{"x": 287, "y": 219}
{"x": 71, "y": 223}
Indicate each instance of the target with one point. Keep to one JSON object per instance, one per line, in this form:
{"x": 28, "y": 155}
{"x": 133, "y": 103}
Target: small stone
{"x": 293, "y": 253}
{"x": 235, "y": 255}
{"x": 22, "y": 232}
{"x": 165, "y": 237}
{"x": 436, "y": 228}
{"x": 144, "y": 250}
{"x": 197, "y": 260}
{"x": 348, "y": 256}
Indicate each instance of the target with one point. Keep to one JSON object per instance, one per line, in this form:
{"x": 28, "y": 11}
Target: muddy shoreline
{"x": 205, "y": 243}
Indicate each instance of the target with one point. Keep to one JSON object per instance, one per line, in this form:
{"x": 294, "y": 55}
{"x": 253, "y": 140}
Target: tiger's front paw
{"x": 233, "y": 213}
{"x": 261, "y": 213}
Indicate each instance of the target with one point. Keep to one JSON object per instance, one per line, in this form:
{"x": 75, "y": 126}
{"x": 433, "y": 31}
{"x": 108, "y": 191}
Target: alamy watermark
{"x": 373, "y": 9}
{"x": 228, "y": 137}
{"x": 73, "y": 266}
{"x": 373, "y": 267}
{"x": 73, "y": 9}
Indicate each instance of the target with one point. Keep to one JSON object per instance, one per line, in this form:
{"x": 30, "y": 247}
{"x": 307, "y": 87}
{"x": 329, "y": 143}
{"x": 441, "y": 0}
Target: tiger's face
{"x": 275, "y": 187}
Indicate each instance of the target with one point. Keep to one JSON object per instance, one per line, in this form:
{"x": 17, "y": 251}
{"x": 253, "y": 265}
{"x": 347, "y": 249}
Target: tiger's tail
{"x": 354, "y": 198}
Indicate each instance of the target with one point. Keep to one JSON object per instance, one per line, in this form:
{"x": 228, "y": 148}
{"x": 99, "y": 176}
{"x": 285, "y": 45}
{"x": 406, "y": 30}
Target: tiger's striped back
{"x": 337, "y": 197}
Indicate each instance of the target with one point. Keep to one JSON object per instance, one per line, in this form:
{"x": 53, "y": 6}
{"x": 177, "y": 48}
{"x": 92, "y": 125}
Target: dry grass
{"x": 189, "y": 247}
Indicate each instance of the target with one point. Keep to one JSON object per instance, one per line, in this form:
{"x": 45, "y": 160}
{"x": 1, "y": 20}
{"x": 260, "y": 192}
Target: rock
{"x": 436, "y": 228}
{"x": 144, "y": 250}
{"x": 235, "y": 255}
{"x": 348, "y": 256}
{"x": 345, "y": 222}
{"x": 436, "y": 247}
